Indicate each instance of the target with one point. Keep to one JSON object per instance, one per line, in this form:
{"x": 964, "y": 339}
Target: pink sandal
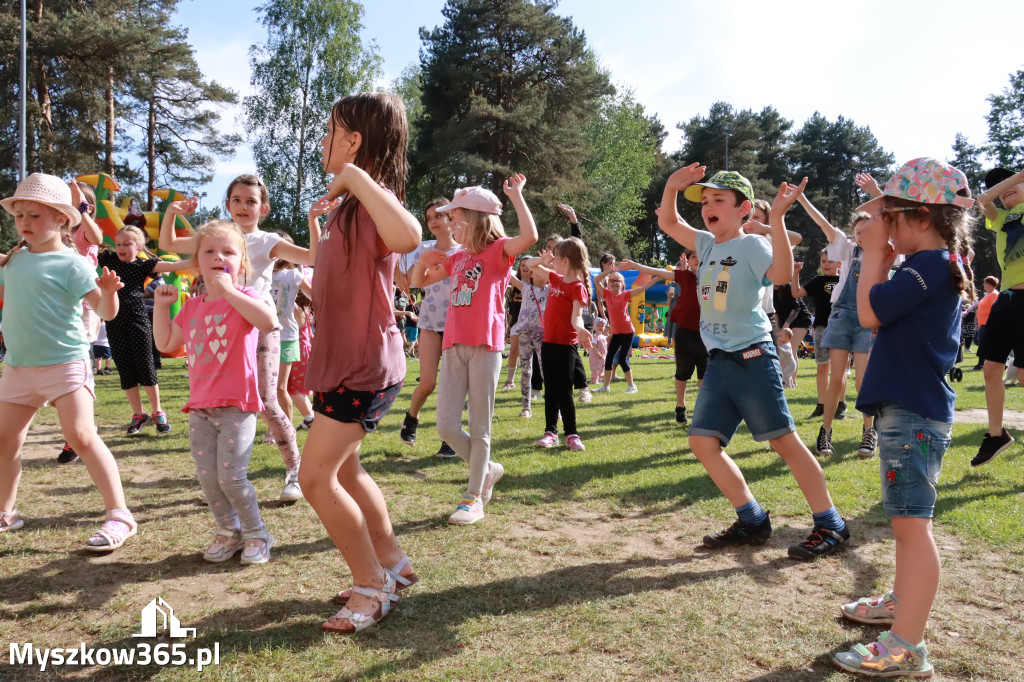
{"x": 118, "y": 527}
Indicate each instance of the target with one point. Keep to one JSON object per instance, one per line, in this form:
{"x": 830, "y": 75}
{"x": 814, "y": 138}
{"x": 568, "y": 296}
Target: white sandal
{"x": 348, "y": 622}
{"x": 401, "y": 581}
{"x": 113, "y": 532}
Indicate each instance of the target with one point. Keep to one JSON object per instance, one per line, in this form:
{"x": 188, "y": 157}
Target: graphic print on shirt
{"x": 466, "y": 274}
{"x": 206, "y": 336}
{"x": 718, "y": 292}
{"x": 1014, "y": 229}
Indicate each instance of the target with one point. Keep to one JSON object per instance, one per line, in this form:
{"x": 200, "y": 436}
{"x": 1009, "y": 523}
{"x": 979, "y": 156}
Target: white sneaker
{"x": 224, "y": 546}
{"x": 585, "y": 396}
{"x": 632, "y": 389}
{"x": 470, "y": 510}
{"x": 291, "y": 491}
{"x": 494, "y": 473}
{"x": 257, "y": 549}
{"x": 602, "y": 389}
{"x": 534, "y": 395}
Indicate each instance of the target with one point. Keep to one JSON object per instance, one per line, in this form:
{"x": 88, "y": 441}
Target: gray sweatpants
{"x": 221, "y": 441}
{"x": 468, "y": 371}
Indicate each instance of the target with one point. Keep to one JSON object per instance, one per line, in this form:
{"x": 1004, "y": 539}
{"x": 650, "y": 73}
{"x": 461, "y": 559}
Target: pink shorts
{"x": 37, "y": 386}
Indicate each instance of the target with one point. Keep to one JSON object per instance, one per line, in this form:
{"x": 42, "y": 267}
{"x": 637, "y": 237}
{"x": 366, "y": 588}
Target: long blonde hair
{"x": 482, "y": 230}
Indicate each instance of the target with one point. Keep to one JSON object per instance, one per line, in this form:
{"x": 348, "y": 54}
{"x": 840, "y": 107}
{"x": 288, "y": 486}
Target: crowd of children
{"x": 893, "y": 292}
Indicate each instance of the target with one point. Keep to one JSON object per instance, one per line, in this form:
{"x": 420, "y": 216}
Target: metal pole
{"x": 727, "y": 151}
{"x": 24, "y": 86}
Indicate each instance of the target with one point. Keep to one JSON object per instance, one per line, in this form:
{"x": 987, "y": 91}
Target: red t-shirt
{"x": 686, "y": 312}
{"x": 357, "y": 343}
{"x": 558, "y": 310}
{"x": 618, "y": 312}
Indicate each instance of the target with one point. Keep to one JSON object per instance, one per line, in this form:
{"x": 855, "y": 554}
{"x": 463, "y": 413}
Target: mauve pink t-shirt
{"x": 221, "y": 347}
{"x": 476, "y": 308}
{"x": 357, "y": 343}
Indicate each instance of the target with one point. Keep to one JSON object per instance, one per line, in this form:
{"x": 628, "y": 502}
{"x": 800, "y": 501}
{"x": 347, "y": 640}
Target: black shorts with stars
{"x": 363, "y": 407}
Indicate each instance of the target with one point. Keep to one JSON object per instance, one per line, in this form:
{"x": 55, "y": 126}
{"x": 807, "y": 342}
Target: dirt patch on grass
{"x": 1012, "y": 418}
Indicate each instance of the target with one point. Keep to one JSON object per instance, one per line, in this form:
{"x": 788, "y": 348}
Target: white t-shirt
{"x": 434, "y": 307}
{"x": 259, "y": 244}
{"x": 284, "y": 289}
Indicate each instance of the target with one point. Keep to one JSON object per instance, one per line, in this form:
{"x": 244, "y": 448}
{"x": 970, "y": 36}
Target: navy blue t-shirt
{"x": 918, "y": 340}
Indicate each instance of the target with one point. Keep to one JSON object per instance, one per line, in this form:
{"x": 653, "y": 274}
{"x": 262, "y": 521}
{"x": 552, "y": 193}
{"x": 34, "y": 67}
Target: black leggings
{"x": 579, "y": 374}
{"x": 623, "y": 341}
{"x": 558, "y": 363}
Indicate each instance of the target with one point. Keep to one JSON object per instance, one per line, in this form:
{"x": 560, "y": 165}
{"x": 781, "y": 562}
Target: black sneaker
{"x": 741, "y": 533}
{"x": 408, "y": 432}
{"x": 67, "y": 455}
{"x": 162, "y": 425}
{"x": 821, "y": 542}
{"x": 823, "y": 448}
{"x": 819, "y": 411}
{"x": 868, "y": 443}
{"x": 841, "y": 411}
{"x": 681, "y": 415}
{"x": 991, "y": 446}
{"x": 138, "y": 421}
{"x": 445, "y": 452}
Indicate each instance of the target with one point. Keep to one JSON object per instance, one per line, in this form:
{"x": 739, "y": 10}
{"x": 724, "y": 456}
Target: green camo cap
{"x": 721, "y": 180}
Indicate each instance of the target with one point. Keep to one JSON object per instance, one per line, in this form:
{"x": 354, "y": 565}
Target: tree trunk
{"x": 300, "y": 166}
{"x": 42, "y": 92}
{"x": 151, "y": 151}
{"x": 108, "y": 163}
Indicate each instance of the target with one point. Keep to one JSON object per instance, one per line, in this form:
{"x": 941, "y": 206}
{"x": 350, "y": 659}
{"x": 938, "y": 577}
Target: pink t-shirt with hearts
{"x": 221, "y": 346}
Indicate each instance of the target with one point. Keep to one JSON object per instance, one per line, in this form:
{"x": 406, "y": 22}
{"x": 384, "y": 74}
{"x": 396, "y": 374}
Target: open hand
{"x": 514, "y": 185}
{"x": 787, "y": 195}
{"x": 586, "y": 339}
{"x": 166, "y": 294}
{"x": 685, "y": 176}
{"x": 76, "y": 194}
{"x": 323, "y": 205}
{"x": 433, "y": 259}
{"x": 184, "y": 206}
{"x": 867, "y": 184}
{"x": 109, "y": 281}
{"x": 566, "y": 209}
{"x": 625, "y": 264}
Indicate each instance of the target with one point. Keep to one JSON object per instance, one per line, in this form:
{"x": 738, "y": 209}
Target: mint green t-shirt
{"x": 731, "y": 276}
{"x": 43, "y": 307}
{"x": 1009, "y": 231}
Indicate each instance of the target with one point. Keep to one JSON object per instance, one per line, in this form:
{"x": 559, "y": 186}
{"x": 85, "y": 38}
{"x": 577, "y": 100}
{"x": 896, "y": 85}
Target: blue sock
{"x": 829, "y": 518}
{"x": 751, "y": 512}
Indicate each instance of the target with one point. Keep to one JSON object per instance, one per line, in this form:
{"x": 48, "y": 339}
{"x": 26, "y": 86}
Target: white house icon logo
{"x": 153, "y": 613}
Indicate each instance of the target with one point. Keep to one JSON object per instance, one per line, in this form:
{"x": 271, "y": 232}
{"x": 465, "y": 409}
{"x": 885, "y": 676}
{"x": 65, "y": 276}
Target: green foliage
{"x": 508, "y": 87}
{"x": 1006, "y": 124}
{"x": 968, "y": 158}
{"x": 313, "y": 56}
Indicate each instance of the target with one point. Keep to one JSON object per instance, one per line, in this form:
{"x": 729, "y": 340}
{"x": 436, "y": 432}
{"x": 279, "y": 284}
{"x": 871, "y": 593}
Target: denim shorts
{"x": 845, "y": 333}
{"x": 910, "y": 451}
{"x": 744, "y": 385}
{"x": 821, "y": 356}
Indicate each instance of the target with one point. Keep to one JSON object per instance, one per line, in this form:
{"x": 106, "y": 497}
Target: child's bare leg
{"x": 680, "y": 393}
{"x": 364, "y": 490}
{"x": 15, "y": 420}
{"x": 75, "y": 412}
{"x": 822, "y": 381}
{"x": 629, "y": 377}
{"x": 839, "y": 360}
{"x": 860, "y": 364}
{"x": 513, "y": 358}
{"x": 806, "y": 470}
{"x": 302, "y": 402}
{"x": 284, "y": 398}
{"x": 722, "y": 470}
{"x": 430, "y": 358}
{"x": 329, "y": 445}
{"x": 608, "y": 377}
{"x": 153, "y": 395}
{"x": 134, "y": 399}
{"x": 995, "y": 396}
{"x": 917, "y": 576}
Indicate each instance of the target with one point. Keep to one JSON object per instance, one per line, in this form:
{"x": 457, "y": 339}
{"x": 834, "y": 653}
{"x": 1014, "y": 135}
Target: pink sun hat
{"x": 48, "y": 190}
{"x": 475, "y": 199}
{"x": 927, "y": 181}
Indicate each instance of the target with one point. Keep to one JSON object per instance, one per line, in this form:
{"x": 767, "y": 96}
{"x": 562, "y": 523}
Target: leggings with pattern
{"x": 268, "y": 364}
{"x": 529, "y": 347}
{"x": 221, "y": 442}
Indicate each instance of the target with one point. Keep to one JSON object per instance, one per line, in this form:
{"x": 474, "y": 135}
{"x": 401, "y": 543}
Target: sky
{"x": 915, "y": 72}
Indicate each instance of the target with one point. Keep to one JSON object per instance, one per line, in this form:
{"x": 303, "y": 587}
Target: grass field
{"x": 587, "y": 565}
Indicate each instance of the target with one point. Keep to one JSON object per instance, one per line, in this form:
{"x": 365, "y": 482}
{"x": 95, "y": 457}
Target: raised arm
{"x": 540, "y": 265}
{"x": 397, "y": 228}
{"x": 527, "y": 236}
{"x": 794, "y": 285}
{"x": 879, "y": 256}
{"x": 516, "y": 282}
{"x": 821, "y": 221}
{"x": 320, "y": 207}
{"x": 166, "y": 336}
{"x": 169, "y": 241}
{"x": 574, "y": 223}
{"x": 868, "y": 185}
{"x": 431, "y": 268}
{"x": 669, "y": 220}
{"x": 646, "y": 269}
{"x": 90, "y": 230}
{"x": 293, "y": 253}
{"x": 172, "y": 266}
{"x": 781, "y": 269}
{"x": 103, "y": 299}
{"x": 636, "y": 291}
{"x": 988, "y": 198}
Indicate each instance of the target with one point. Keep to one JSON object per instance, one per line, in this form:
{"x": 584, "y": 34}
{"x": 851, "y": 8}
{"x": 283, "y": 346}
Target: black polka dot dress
{"x": 130, "y": 333}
